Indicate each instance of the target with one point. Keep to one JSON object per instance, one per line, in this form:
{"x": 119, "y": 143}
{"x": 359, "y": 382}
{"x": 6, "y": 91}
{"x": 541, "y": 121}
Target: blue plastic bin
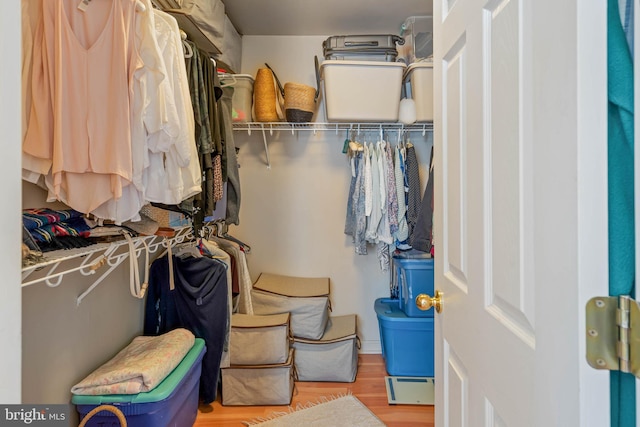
{"x": 174, "y": 402}
{"x": 414, "y": 276}
{"x": 407, "y": 342}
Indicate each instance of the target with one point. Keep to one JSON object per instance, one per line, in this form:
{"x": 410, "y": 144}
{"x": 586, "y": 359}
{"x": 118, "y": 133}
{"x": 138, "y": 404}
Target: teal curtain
{"x": 621, "y": 197}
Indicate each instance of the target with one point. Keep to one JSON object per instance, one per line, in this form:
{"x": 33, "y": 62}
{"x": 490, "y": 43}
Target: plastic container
{"x": 414, "y": 277}
{"x": 362, "y": 90}
{"x": 174, "y": 402}
{"x": 242, "y": 100}
{"x": 420, "y": 77}
{"x": 418, "y": 39}
{"x": 407, "y": 342}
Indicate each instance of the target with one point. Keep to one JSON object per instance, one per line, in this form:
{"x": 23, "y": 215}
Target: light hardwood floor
{"x": 369, "y": 388}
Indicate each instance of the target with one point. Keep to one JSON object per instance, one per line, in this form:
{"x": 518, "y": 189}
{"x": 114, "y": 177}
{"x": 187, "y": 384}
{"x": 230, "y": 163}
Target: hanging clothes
{"x": 198, "y": 303}
{"x": 173, "y": 174}
{"x": 229, "y": 156}
{"x": 412, "y": 173}
{"x": 244, "y": 304}
{"x": 89, "y": 164}
{"x": 421, "y": 238}
{"x": 152, "y": 114}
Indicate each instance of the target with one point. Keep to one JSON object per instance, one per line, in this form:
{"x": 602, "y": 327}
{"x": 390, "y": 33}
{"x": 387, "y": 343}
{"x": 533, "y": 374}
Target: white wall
{"x": 10, "y": 300}
{"x": 293, "y": 214}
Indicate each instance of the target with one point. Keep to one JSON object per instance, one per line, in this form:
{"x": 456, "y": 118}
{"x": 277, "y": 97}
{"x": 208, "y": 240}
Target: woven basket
{"x": 110, "y": 408}
{"x": 299, "y": 102}
{"x": 265, "y": 98}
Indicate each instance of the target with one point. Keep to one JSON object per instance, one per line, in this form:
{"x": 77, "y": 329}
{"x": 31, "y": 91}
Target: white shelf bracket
{"x": 266, "y": 147}
{"x": 112, "y": 266}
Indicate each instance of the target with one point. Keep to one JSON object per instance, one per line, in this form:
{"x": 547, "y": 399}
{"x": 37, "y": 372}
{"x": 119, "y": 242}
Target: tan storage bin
{"x": 259, "y": 340}
{"x": 307, "y": 299}
{"x": 334, "y": 357}
{"x": 249, "y": 385}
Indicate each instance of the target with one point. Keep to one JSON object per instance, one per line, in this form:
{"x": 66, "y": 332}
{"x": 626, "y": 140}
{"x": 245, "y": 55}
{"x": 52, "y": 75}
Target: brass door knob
{"x": 425, "y": 302}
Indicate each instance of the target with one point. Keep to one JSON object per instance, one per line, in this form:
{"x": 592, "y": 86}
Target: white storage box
{"x": 365, "y": 91}
{"x": 418, "y": 39}
{"x": 259, "y": 340}
{"x": 242, "y": 100}
{"x": 307, "y": 299}
{"x": 334, "y": 357}
{"x": 420, "y": 76}
{"x": 250, "y": 385}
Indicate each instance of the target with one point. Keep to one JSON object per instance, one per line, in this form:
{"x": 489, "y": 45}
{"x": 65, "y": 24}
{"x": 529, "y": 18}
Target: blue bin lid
{"x": 389, "y": 309}
{"x": 160, "y": 392}
{"x": 411, "y": 254}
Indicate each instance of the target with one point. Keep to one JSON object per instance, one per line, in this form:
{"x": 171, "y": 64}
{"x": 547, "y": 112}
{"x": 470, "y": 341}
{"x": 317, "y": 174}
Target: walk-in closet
{"x": 512, "y": 162}
{"x": 294, "y": 183}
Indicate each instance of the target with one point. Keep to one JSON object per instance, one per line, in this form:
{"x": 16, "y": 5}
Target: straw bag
{"x": 110, "y": 408}
{"x": 266, "y": 99}
{"x": 299, "y": 102}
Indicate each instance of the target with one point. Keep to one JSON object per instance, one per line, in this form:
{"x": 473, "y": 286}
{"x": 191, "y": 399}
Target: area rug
{"x": 344, "y": 410}
{"x": 410, "y": 390}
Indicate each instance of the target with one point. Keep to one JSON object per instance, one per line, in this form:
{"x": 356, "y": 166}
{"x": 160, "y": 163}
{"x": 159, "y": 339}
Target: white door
{"x": 520, "y": 210}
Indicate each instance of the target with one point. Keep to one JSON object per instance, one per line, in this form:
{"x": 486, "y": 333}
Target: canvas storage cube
{"x": 407, "y": 342}
{"x": 361, "y": 90}
{"x": 414, "y": 277}
{"x": 174, "y": 402}
{"x": 259, "y": 340}
{"x": 307, "y": 299}
{"x": 420, "y": 77}
{"x": 247, "y": 385}
{"x": 334, "y": 357}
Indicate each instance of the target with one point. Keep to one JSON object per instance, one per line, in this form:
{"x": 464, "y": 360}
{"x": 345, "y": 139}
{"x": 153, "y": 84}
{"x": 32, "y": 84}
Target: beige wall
{"x": 61, "y": 341}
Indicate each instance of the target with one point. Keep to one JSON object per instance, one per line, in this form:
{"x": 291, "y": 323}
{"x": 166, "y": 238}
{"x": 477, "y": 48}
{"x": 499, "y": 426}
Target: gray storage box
{"x": 334, "y": 357}
{"x": 307, "y": 299}
{"x": 259, "y": 340}
{"x": 248, "y": 385}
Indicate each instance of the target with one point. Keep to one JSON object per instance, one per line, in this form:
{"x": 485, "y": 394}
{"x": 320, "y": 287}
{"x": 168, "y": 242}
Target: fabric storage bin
{"x": 174, "y": 402}
{"x": 415, "y": 277}
{"x": 307, "y": 299}
{"x": 248, "y": 385}
{"x": 242, "y": 101}
{"x": 407, "y": 342}
{"x": 420, "y": 76}
{"x": 361, "y": 90}
{"x": 202, "y": 21}
{"x": 231, "y": 47}
{"x": 259, "y": 340}
{"x": 334, "y": 357}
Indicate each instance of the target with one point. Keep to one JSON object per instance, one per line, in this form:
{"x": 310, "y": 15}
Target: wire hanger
{"x": 222, "y": 232}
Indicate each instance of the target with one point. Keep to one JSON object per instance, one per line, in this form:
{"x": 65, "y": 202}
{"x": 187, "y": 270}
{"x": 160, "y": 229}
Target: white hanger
{"x": 188, "y": 52}
{"x": 140, "y": 7}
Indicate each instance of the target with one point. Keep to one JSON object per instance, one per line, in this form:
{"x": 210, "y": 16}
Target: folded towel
{"x": 140, "y": 366}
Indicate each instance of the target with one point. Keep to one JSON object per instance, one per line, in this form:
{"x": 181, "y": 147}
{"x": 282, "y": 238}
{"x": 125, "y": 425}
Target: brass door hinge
{"x": 613, "y": 334}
